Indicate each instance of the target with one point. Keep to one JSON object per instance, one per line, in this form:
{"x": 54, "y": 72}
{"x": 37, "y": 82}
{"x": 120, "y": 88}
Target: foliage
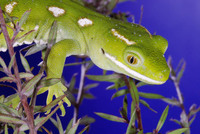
{"x": 20, "y": 112}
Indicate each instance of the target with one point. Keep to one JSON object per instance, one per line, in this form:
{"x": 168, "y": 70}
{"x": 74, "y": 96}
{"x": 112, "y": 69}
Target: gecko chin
{"x": 130, "y": 72}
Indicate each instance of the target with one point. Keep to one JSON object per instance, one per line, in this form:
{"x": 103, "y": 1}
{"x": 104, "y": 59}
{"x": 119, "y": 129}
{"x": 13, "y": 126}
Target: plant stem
{"x": 10, "y": 49}
{"x": 184, "y": 117}
{"x": 30, "y": 117}
{"x": 176, "y": 84}
{"x": 80, "y": 92}
{"x": 137, "y": 107}
{"x": 139, "y": 117}
{"x": 23, "y": 98}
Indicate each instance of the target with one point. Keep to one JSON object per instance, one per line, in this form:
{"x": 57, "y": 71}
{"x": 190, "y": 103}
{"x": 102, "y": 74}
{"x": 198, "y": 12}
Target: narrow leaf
{"x": 90, "y": 64}
{"x": 141, "y": 132}
{"x": 178, "y": 131}
{"x": 111, "y": 87}
{"x": 51, "y": 104}
{"x": 2, "y": 97}
{"x": 180, "y": 73}
{"x": 59, "y": 125}
{"x": 6, "y": 129}
{"x": 109, "y": 78}
{"x": 86, "y": 120}
{"x": 16, "y": 131}
{"x": 150, "y": 95}
{"x": 25, "y": 63}
{"x": 37, "y": 108}
{"x": 53, "y": 34}
{"x": 191, "y": 120}
{"x": 193, "y": 110}
{"x": 11, "y": 97}
{"x": 8, "y": 110}
{"x": 7, "y": 79}
{"x": 125, "y": 106}
{"x": 26, "y": 75}
{"x": 11, "y": 62}
{"x": 132, "y": 121}
{"x": 176, "y": 121}
{"x": 24, "y": 18}
{"x": 181, "y": 62}
{"x": 70, "y": 97}
{"x": 141, "y": 84}
{"x": 35, "y": 48}
{"x": 30, "y": 85}
{"x": 162, "y": 119}
{"x": 8, "y": 18}
{"x": 48, "y": 116}
{"x": 111, "y": 117}
{"x": 3, "y": 64}
{"x": 120, "y": 93}
{"x": 1, "y": 69}
{"x": 25, "y": 127}
{"x": 84, "y": 129}
{"x": 48, "y": 82}
{"x": 54, "y": 122}
{"x": 69, "y": 126}
{"x": 174, "y": 101}
{"x": 88, "y": 96}
{"x": 89, "y": 86}
{"x": 147, "y": 105}
{"x": 74, "y": 128}
{"x": 133, "y": 107}
{"x": 72, "y": 82}
{"x": 10, "y": 119}
{"x": 134, "y": 92}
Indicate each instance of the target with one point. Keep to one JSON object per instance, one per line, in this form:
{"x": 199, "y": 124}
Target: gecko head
{"x": 142, "y": 58}
{"x": 147, "y": 63}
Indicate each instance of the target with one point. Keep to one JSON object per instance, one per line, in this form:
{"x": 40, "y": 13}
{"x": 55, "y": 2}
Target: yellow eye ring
{"x": 132, "y": 59}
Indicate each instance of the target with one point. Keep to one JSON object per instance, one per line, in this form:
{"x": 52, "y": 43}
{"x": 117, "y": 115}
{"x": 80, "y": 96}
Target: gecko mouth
{"x": 130, "y": 71}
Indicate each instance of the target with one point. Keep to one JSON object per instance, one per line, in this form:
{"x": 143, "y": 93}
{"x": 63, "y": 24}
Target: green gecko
{"x": 111, "y": 44}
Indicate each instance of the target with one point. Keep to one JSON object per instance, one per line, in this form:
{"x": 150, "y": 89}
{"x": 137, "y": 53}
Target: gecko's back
{"x": 43, "y": 13}
{"x": 113, "y": 45}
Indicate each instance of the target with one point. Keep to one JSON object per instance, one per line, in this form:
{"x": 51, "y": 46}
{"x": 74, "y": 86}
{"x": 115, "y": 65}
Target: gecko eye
{"x": 132, "y": 60}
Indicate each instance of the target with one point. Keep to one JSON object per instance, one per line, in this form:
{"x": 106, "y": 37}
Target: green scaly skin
{"x": 125, "y": 48}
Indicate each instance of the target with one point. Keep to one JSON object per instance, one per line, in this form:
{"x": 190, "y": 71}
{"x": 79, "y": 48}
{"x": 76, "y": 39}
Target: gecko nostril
{"x": 161, "y": 76}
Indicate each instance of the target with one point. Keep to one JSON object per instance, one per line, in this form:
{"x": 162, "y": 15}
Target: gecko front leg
{"x": 55, "y": 65}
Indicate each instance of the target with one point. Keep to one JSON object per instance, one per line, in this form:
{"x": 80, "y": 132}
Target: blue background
{"x": 179, "y": 22}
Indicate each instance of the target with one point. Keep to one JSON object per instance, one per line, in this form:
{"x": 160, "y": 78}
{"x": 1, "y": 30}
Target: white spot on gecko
{"x": 56, "y": 11}
{"x": 3, "y": 49}
{"x": 36, "y": 28}
{"x": 9, "y": 8}
{"x": 85, "y": 22}
{"x": 40, "y": 42}
{"x": 121, "y": 37}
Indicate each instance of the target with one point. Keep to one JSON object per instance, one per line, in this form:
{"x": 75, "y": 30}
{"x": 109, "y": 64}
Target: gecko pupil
{"x": 132, "y": 60}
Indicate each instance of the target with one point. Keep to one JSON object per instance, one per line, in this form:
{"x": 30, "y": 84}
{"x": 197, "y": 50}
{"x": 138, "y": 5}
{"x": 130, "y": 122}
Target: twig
{"x": 138, "y": 111}
{"x": 176, "y": 84}
{"x": 23, "y": 98}
{"x": 29, "y": 114}
{"x": 184, "y": 117}
{"x": 10, "y": 49}
{"x": 80, "y": 92}
{"x": 29, "y": 32}
{"x": 141, "y": 14}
